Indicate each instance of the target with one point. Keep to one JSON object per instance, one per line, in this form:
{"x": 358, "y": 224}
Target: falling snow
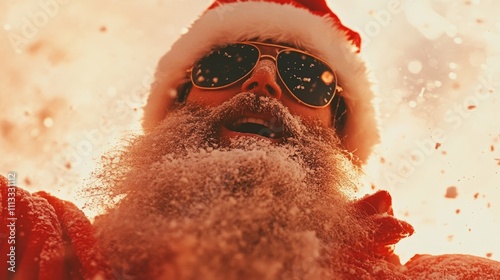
{"x": 451, "y": 192}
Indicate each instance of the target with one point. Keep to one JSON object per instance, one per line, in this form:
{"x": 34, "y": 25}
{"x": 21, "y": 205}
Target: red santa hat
{"x": 308, "y": 24}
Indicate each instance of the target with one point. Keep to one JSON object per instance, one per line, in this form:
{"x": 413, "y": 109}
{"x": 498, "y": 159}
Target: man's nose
{"x": 263, "y": 80}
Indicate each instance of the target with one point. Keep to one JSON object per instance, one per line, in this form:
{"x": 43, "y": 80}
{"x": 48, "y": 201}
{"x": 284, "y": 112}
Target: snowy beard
{"x": 195, "y": 208}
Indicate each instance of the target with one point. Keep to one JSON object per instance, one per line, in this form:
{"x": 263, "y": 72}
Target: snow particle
{"x": 48, "y": 122}
{"x": 451, "y": 192}
{"x": 415, "y": 67}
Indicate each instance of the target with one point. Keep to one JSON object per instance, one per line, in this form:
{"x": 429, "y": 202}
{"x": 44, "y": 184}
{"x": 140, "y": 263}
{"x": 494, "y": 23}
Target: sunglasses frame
{"x": 283, "y": 48}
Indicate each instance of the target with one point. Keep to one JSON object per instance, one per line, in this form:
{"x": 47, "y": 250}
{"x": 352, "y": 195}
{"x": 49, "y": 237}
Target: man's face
{"x": 202, "y": 201}
{"x": 262, "y": 81}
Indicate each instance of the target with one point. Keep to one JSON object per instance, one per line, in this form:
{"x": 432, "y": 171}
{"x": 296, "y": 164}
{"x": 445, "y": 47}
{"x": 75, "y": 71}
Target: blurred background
{"x": 75, "y": 75}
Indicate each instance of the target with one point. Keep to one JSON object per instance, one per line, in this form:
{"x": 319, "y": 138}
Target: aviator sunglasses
{"x": 308, "y": 78}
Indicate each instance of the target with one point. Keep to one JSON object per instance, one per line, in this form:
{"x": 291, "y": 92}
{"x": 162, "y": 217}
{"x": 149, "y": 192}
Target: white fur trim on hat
{"x": 242, "y": 21}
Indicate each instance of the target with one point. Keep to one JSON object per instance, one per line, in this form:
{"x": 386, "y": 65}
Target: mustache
{"x": 250, "y": 102}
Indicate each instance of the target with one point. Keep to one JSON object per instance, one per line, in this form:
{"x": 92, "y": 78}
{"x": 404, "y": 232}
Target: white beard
{"x": 192, "y": 208}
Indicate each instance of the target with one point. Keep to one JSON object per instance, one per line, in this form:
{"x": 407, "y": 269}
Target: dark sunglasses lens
{"x": 224, "y": 66}
{"x": 309, "y": 79}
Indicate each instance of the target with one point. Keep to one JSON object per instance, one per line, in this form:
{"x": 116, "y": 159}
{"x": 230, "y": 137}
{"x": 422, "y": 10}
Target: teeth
{"x": 272, "y": 129}
{"x": 252, "y": 120}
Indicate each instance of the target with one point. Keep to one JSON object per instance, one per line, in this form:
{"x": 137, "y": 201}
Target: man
{"x": 255, "y": 131}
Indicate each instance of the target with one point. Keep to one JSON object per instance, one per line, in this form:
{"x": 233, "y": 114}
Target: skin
{"x": 262, "y": 81}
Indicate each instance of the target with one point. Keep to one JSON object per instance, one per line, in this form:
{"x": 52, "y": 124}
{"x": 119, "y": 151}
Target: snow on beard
{"x": 195, "y": 209}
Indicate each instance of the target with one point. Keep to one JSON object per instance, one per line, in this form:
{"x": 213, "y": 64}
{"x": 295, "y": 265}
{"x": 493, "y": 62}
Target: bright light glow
{"x": 454, "y": 130}
{"x": 327, "y": 77}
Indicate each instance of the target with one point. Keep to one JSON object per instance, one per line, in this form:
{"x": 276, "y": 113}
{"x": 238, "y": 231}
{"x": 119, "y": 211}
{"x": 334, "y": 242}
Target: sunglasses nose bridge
{"x": 263, "y": 79}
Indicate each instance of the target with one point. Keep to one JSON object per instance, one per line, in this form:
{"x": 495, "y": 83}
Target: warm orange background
{"x": 75, "y": 74}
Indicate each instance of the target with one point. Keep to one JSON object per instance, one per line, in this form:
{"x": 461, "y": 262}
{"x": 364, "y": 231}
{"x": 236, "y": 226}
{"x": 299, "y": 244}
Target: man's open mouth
{"x": 259, "y": 126}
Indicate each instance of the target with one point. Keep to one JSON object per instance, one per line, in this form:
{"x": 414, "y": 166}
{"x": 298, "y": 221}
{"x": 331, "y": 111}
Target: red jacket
{"x": 45, "y": 238}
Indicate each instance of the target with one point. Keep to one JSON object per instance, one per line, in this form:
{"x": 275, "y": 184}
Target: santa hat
{"x": 307, "y": 24}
